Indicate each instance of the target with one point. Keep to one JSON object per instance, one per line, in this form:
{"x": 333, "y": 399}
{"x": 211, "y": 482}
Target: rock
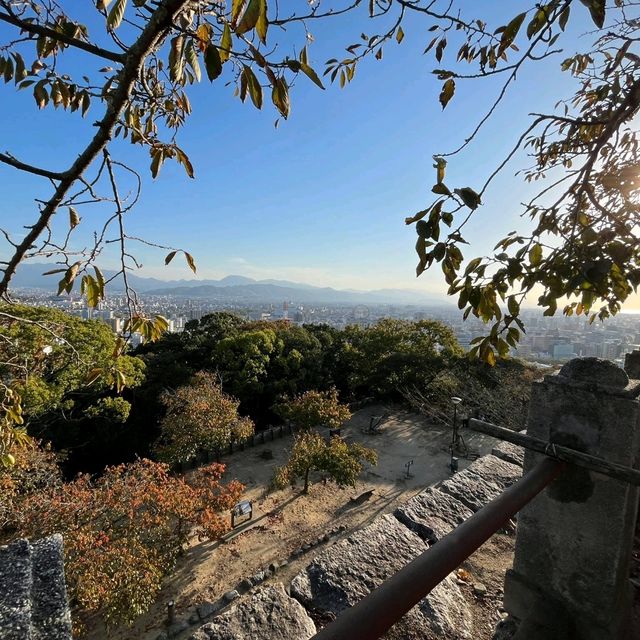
{"x": 493, "y": 469}
{"x": 283, "y": 564}
{"x": 306, "y": 547}
{"x": 479, "y": 589}
{"x": 230, "y": 596}
{"x": 177, "y": 628}
{"x": 194, "y": 618}
{"x": 470, "y": 489}
{"x": 432, "y": 514}
{"x": 506, "y": 629}
{"x": 509, "y": 452}
{"x": 162, "y": 636}
{"x": 595, "y": 370}
{"x": 273, "y": 567}
{"x": 268, "y": 614}
{"x": 257, "y": 578}
{"x": 207, "y": 609}
{"x": 245, "y": 585}
{"x": 347, "y": 571}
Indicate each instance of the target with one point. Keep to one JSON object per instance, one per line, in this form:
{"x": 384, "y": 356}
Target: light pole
{"x": 453, "y": 463}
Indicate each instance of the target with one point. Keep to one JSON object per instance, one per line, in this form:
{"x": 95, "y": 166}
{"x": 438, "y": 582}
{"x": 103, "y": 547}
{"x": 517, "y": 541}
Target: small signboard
{"x": 242, "y": 512}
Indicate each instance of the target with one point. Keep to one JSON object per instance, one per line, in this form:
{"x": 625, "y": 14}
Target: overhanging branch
{"x": 39, "y": 30}
{"x": 10, "y": 160}
{"x": 149, "y": 40}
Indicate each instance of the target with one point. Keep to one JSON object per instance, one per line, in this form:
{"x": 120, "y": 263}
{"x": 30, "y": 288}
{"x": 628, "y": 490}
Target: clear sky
{"x": 322, "y": 199}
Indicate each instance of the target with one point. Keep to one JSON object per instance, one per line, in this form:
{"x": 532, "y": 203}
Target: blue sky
{"x": 322, "y": 199}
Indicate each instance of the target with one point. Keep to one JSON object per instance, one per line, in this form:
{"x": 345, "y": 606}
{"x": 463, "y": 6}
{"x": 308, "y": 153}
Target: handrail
{"x": 374, "y": 615}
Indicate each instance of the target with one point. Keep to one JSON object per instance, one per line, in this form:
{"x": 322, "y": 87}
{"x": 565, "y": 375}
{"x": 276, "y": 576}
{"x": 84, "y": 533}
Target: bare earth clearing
{"x": 285, "y": 520}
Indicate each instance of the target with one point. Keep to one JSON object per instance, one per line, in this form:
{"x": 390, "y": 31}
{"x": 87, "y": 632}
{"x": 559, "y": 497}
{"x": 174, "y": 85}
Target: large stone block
{"x": 493, "y": 469}
{"x": 432, "y": 514}
{"x": 509, "y": 452}
{"x": 15, "y": 591}
{"x": 269, "y": 614}
{"x": 471, "y": 489}
{"x": 346, "y": 572}
{"x": 50, "y": 613}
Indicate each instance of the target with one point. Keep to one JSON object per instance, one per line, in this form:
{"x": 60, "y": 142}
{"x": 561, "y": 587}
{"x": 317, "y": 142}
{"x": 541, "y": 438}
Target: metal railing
{"x": 374, "y": 615}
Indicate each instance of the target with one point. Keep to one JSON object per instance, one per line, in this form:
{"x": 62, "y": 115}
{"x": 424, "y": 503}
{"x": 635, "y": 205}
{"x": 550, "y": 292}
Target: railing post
{"x": 570, "y": 577}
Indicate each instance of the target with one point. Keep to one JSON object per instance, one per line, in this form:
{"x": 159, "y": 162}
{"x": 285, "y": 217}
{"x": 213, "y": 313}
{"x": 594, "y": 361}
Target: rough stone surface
{"x": 50, "y": 616}
{"x": 268, "y": 614}
{"x": 509, "y": 452}
{"x": 595, "y": 371}
{"x": 33, "y": 598}
{"x": 230, "y": 596}
{"x": 493, "y": 469}
{"x": 207, "y": 609}
{"x": 432, "y": 514}
{"x": 505, "y": 629}
{"x": 346, "y": 572}
{"x": 15, "y": 591}
{"x": 472, "y": 490}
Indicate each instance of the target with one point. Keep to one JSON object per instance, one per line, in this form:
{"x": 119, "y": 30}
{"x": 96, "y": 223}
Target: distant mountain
{"x": 233, "y": 288}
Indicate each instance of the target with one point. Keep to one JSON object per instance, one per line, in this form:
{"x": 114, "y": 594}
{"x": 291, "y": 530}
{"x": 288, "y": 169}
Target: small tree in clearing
{"x": 315, "y": 409}
{"x": 342, "y": 462}
{"x": 200, "y": 416}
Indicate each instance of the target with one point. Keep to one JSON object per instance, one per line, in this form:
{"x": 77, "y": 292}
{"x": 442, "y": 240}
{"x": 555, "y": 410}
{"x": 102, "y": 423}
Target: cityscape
{"x": 548, "y": 340}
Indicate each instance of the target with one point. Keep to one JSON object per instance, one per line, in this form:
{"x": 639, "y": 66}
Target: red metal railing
{"x": 375, "y": 614}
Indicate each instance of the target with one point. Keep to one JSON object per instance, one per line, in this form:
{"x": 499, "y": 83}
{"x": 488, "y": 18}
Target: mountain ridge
{"x": 29, "y": 276}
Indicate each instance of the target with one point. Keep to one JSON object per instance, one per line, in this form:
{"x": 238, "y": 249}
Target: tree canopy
{"x": 342, "y": 462}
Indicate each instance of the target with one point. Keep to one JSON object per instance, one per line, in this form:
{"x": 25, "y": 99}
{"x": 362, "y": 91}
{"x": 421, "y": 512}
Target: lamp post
{"x": 453, "y": 463}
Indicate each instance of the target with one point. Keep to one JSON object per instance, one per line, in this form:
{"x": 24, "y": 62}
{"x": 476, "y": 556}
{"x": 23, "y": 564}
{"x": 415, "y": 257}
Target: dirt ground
{"x": 285, "y": 520}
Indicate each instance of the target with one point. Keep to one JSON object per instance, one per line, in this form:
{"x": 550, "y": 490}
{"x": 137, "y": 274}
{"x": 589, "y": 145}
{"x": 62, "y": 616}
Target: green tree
{"x": 199, "y": 417}
{"x": 340, "y": 461}
{"x": 313, "y": 409}
{"x": 61, "y": 369}
{"x": 383, "y": 358}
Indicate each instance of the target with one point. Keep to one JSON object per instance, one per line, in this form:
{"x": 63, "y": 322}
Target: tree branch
{"x": 10, "y": 160}
{"x": 40, "y": 30}
{"x": 149, "y": 40}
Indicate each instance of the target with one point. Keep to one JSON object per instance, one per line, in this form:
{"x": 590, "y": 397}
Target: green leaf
{"x": 225, "y": 44}
{"x": 280, "y": 96}
{"x": 311, "y": 74}
{"x": 236, "y": 8}
{"x": 74, "y": 218}
{"x": 513, "y": 306}
{"x": 192, "y": 59}
{"x": 539, "y": 20}
{"x": 249, "y": 17}
{"x": 448, "y": 89}
{"x": 116, "y": 14}
{"x": 564, "y": 17}
{"x": 597, "y": 10}
{"x": 255, "y": 90}
{"x": 212, "y": 62}
{"x": 511, "y": 31}
{"x": 263, "y": 24}
{"x": 535, "y": 255}
{"x": 470, "y": 198}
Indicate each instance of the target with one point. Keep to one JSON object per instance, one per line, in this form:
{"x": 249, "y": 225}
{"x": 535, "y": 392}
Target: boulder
{"x": 471, "y": 489}
{"x": 509, "y": 452}
{"x": 349, "y": 570}
{"x": 268, "y": 614}
{"x": 432, "y": 514}
{"x": 494, "y": 469}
